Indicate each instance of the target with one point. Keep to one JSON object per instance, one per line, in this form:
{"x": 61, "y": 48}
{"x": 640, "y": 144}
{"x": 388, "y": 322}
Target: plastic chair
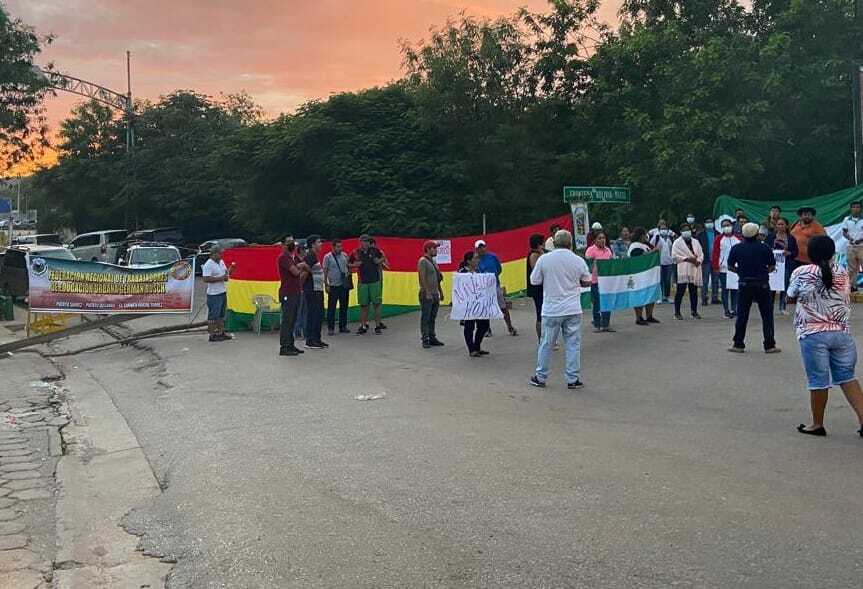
{"x": 266, "y": 306}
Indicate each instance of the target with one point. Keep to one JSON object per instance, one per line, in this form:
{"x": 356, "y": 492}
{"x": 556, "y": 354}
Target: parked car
{"x": 99, "y": 246}
{"x": 38, "y": 239}
{"x": 149, "y": 255}
{"x": 14, "y": 278}
{"x": 172, "y": 235}
{"x": 204, "y": 249}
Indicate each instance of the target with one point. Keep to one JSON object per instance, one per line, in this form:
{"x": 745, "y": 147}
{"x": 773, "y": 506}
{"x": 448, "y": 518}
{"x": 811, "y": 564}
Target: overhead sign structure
{"x": 596, "y": 194}
{"x": 578, "y": 197}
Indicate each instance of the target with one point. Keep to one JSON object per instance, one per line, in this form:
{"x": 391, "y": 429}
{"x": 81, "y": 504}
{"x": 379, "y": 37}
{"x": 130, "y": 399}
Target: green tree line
{"x": 680, "y": 101}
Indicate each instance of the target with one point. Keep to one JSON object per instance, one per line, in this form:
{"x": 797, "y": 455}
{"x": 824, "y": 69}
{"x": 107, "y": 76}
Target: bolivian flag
{"x": 257, "y": 270}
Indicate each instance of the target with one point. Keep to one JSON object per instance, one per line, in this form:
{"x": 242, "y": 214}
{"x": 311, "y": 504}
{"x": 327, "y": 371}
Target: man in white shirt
{"x": 549, "y": 243}
{"x": 852, "y": 229}
{"x": 562, "y": 274}
{"x": 216, "y": 274}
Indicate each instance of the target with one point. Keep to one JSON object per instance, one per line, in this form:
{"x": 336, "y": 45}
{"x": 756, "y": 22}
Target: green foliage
{"x": 683, "y": 101}
{"x": 22, "y": 128}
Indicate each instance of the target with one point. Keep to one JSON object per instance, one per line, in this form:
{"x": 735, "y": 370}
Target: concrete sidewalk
{"x": 70, "y": 469}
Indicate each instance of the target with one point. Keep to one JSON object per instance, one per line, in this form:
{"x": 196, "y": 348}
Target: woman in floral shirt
{"x": 822, "y": 292}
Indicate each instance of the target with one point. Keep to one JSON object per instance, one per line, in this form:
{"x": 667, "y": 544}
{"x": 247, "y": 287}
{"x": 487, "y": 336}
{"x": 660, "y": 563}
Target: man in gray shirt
{"x": 430, "y": 295}
{"x": 338, "y": 282}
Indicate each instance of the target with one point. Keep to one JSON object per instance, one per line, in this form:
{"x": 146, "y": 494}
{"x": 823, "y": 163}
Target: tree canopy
{"x": 680, "y": 101}
{"x": 22, "y": 127}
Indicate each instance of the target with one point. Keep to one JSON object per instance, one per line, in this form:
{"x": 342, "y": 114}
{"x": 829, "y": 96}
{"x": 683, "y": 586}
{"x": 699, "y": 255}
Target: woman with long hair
{"x": 599, "y": 251}
{"x": 534, "y": 291}
{"x": 474, "y": 329}
{"x": 823, "y": 295}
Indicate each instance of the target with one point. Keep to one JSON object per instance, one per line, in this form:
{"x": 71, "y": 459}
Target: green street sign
{"x": 596, "y": 194}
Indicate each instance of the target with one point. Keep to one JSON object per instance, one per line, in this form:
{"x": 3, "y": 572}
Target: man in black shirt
{"x": 753, "y": 262}
{"x": 369, "y": 261}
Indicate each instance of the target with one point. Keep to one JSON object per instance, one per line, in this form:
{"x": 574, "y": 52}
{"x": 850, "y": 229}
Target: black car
{"x": 204, "y": 250}
{"x": 172, "y": 235}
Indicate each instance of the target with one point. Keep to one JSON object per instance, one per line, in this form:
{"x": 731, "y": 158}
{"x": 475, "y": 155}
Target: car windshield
{"x": 60, "y": 253}
{"x": 153, "y": 255}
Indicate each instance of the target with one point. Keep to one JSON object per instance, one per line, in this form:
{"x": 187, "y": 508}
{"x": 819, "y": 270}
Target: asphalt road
{"x": 678, "y": 464}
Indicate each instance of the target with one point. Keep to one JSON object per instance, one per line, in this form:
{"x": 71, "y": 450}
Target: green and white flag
{"x": 629, "y": 282}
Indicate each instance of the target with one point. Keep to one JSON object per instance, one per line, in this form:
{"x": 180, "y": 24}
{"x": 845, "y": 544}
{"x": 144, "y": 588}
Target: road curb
{"x": 102, "y": 475}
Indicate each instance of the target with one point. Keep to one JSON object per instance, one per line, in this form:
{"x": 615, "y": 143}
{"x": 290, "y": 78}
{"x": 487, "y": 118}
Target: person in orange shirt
{"x": 804, "y": 230}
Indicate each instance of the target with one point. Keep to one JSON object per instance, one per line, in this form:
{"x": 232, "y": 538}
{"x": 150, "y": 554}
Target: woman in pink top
{"x": 599, "y": 251}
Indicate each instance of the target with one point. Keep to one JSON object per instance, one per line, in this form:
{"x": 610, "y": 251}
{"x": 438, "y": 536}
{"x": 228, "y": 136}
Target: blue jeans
{"x": 552, "y": 327}
{"x": 600, "y": 320}
{"x": 711, "y": 278}
{"x": 829, "y": 357}
{"x": 725, "y": 291}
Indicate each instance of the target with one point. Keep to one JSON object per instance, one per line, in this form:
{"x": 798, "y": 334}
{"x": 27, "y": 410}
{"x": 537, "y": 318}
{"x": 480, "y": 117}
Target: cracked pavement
{"x": 678, "y": 463}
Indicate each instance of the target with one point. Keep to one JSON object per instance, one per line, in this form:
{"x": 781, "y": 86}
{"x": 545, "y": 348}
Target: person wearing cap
{"x": 489, "y": 263}
{"x": 852, "y": 230}
{"x": 430, "y": 294}
{"x": 368, "y": 262}
{"x": 591, "y": 235}
{"x": 215, "y": 275}
{"x": 805, "y": 229}
{"x": 753, "y": 261}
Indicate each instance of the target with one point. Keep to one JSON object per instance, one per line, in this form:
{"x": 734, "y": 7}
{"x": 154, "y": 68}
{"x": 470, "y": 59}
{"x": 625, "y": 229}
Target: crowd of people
{"x": 697, "y": 258}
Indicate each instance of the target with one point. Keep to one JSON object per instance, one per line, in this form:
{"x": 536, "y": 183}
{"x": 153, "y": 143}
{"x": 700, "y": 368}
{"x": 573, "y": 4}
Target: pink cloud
{"x": 283, "y": 52}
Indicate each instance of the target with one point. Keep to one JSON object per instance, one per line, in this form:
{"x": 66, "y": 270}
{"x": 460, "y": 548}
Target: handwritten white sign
{"x": 444, "y": 251}
{"x": 474, "y": 296}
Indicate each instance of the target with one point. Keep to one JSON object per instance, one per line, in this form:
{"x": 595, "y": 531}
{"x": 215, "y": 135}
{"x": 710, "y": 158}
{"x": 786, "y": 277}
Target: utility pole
{"x": 857, "y": 84}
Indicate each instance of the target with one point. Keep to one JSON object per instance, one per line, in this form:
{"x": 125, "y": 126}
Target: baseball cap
{"x": 479, "y": 243}
{"x": 429, "y": 244}
{"x": 365, "y": 237}
{"x": 750, "y": 230}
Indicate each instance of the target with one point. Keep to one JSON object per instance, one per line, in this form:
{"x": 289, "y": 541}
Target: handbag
{"x": 347, "y": 277}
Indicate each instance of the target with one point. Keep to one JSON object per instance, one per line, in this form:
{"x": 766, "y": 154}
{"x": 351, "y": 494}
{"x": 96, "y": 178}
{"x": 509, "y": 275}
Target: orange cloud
{"x": 283, "y": 52}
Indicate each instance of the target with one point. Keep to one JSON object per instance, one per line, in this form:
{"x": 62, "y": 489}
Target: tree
{"x": 22, "y": 126}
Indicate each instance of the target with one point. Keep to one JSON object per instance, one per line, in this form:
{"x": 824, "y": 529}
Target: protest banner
{"x": 73, "y": 286}
{"x": 444, "y": 251}
{"x": 474, "y": 296}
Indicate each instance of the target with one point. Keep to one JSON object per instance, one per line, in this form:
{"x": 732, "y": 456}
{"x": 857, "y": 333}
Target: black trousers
{"x": 314, "y": 316}
{"x": 338, "y": 294}
{"x": 693, "y": 297}
{"x": 290, "y": 304}
{"x": 746, "y": 295}
{"x": 474, "y": 332}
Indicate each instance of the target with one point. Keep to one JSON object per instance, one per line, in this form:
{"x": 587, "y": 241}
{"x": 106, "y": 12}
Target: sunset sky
{"x": 283, "y": 52}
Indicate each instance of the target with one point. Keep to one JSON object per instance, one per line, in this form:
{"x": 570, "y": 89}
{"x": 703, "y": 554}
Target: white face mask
{"x": 709, "y": 225}
{"x": 690, "y": 219}
{"x": 663, "y": 232}
{"x": 686, "y": 234}
{"x": 727, "y": 229}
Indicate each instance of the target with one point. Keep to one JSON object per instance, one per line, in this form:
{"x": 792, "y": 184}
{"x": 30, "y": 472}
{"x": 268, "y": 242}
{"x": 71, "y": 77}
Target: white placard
{"x": 777, "y": 277}
{"x": 474, "y": 296}
{"x": 444, "y": 251}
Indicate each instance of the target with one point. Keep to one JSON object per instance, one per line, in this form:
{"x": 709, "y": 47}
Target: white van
{"x": 99, "y": 246}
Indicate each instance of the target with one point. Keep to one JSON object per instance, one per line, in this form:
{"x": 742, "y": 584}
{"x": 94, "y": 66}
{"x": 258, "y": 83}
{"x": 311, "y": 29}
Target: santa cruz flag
{"x": 630, "y": 282}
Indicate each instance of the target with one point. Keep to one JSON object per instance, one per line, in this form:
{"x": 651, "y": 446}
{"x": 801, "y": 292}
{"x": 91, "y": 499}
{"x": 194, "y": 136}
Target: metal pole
{"x": 483, "y": 224}
{"x": 857, "y": 82}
